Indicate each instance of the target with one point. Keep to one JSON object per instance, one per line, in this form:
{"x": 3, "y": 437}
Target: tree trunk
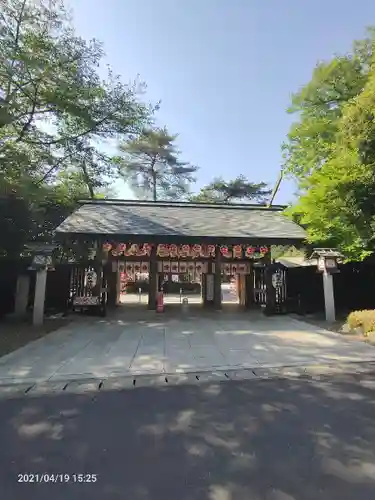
{"x": 88, "y": 181}
{"x": 154, "y": 192}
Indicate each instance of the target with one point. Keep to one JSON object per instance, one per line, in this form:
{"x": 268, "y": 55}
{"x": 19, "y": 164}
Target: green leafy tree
{"x": 56, "y": 115}
{"x": 338, "y": 201}
{"x": 150, "y": 164}
{"x": 54, "y": 105}
{"x": 319, "y": 106}
{"x": 238, "y": 189}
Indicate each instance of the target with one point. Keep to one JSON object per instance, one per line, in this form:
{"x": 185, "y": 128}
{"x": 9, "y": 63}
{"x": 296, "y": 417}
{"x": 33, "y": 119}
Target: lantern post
{"x": 42, "y": 260}
{"x": 327, "y": 265}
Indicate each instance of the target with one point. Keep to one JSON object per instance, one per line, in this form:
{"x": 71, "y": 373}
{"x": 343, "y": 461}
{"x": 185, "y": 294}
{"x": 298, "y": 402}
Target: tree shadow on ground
{"x": 238, "y": 440}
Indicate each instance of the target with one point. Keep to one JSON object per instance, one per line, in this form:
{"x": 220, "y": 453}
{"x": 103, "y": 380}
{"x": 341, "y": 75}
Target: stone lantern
{"x": 41, "y": 262}
{"x": 328, "y": 259}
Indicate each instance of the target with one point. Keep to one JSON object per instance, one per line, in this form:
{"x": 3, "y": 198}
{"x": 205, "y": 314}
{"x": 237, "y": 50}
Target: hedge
{"x": 364, "y": 319}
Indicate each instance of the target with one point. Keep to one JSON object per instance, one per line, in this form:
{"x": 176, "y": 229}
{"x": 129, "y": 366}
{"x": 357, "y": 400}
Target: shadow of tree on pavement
{"x": 238, "y": 440}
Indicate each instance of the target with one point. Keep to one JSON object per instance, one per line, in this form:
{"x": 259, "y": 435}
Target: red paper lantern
{"x": 121, "y": 248}
{"x": 263, "y": 250}
{"x": 211, "y": 250}
{"x": 224, "y": 251}
{"x": 173, "y": 251}
{"x": 147, "y": 248}
{"x": 196, "y": 251}
{"x": 184, "y": 251}
{"x": 141, "y": 251}
{"x": 237, "y": 251}
{"x": 249, "y": 252}
{"x": 163, "y": 250}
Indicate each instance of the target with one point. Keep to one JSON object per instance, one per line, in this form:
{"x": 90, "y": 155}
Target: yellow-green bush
{"x": 364, "y": 319}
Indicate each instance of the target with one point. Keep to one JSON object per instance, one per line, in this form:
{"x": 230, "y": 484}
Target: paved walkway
{"x": 245, "y": 440}
{"x": 158, "y": 344}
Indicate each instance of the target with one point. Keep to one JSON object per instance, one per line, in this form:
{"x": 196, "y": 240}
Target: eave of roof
{"x": 181, "y": 222}
{"x": 184, "y": 204}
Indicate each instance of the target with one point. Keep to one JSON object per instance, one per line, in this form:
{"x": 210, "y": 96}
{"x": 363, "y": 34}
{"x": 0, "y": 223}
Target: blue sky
{"x": 224, "y": 69}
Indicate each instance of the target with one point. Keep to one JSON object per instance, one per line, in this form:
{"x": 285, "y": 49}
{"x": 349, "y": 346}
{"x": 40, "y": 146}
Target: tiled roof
{"x": 181, "y": 220}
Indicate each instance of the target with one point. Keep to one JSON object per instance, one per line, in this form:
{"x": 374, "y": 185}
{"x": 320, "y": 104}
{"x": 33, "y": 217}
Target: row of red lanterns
{"x": 194, "y": 251}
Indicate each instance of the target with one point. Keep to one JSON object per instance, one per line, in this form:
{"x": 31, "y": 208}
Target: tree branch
{"x": 31, "y": 117}
{"x": 16, "y": 43}
{"x": 73, "y": 138}
{"x": 49, "y": 172}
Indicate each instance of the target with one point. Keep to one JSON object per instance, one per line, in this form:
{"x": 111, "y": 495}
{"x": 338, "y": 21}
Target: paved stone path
{"x": 115, "y": 347}
{"x": 235, "y": 440}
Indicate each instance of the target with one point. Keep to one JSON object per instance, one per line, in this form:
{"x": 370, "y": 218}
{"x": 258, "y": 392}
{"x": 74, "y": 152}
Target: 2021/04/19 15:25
{"x": 57, "y": 478}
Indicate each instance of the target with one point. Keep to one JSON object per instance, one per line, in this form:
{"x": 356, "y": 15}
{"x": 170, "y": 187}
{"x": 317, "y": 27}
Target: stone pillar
{"x": 153, "y": 278}
{"x": 329, "y": 297}
{"x": 217, "y": 278}
{"x": 39, "y": 296}
{"x": 22, "y": 295}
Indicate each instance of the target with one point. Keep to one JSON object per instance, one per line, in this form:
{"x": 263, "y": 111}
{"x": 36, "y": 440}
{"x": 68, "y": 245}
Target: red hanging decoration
{"x": 131, "y": 250}
{"x": 263, "y": 250}
{"x": 173, "y": 251}
{"x": 107, "y": 247}
{"x": 184, "y": 251}
{"x": 211, "y": 250}
{"x": 225, "y": 251}
{"x": 196, "y": 251}
{"x": 121, "y": 248}
{"x": 141, "y": 251}
{"x": 163, "y": 250}
{"x": 237, "y": 251}
{"x": 249, "y": 252}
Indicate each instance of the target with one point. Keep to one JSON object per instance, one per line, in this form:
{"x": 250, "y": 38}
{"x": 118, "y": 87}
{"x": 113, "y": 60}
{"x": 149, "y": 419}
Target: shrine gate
{"x": 205, "y": 240}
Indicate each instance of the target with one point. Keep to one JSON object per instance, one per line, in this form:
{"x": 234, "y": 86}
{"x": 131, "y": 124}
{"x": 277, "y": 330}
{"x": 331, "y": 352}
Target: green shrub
{"x": 354, "y": 319}
{"x": 364, "y": 319}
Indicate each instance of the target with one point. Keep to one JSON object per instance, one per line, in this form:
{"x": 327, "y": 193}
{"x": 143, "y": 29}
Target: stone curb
{"x": 95, "y": 385}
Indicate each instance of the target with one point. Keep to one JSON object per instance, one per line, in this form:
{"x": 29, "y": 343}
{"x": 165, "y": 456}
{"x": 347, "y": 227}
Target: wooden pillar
{"x": 217, "y": 278}
{"x": 118, "y": 287}
{"x": 241, "y": 283}
{"x": 270, "y": 289}
{"x": 249, "y": 299}
{"x": 112, "y": 287}
{"x": 206, "y": 291}
{"x": 153, "y": 275}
